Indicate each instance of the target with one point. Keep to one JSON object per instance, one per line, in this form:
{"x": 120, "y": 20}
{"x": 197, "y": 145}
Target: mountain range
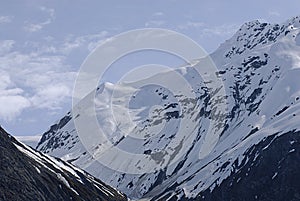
{"x": 235, "y": 141}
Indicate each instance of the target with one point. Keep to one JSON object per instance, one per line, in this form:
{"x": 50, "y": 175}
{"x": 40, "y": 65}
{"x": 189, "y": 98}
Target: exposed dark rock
{"x": 271, "y": 173}
{"x": 37, "y": 178}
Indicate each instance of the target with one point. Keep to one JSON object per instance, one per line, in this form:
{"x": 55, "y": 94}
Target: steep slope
{"x": 271, "y": 172}
{"x": 272, "y": 175}
{"x": 26, "y": 174}
{"x": 259, "y": 67}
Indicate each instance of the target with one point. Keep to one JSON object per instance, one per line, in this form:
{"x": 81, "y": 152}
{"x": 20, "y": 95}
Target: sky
{"x": 43, "y": 44}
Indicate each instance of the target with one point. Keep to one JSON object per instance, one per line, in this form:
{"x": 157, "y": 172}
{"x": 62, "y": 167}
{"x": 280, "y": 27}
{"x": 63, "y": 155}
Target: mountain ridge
{"x": 258, "y": 63}
{"x": 28, "y": 175}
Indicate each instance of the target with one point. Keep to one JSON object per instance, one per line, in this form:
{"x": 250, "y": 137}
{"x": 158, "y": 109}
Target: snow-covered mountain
{"x": 27, "y": 174}
{"x": 270, "y": 171}
{"x": 259, "y": 67}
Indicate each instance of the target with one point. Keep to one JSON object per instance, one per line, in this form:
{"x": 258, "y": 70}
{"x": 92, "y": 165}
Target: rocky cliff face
{"x": 26, "y": 174}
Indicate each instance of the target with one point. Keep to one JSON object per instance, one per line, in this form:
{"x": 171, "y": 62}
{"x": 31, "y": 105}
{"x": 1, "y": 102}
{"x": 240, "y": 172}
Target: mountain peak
{"x": 249, "y": 25}
{"x": 256, "y": 34}
{"x": 262, "y": 96}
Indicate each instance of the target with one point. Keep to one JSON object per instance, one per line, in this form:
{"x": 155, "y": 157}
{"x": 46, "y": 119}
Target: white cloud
{"x": 155, "y": 23}
{"x": 195, "y": 24}
{"x": 12, "y": 106}
{"x": 51, "y": 96}
{"x": 205, "y": 30}
{"x": 6, "y": 46}
{"x": 89, "y": 41}
{"x": 190, "y": 24}
{"x": 273, "y": 13}
{"x": 92, "y": 45}
{"x": 33, "y": 27}
{"x": 156, "y": 20}
{"x": 46, "y": 47}
{"x": 12, "y": 102}
{"x": 33, "y": 80}
{"x": 226, "y": 29}
{"x": 5, "y": 19}
{"x": 50, "y": 11}
{"x": 41, "y": 78}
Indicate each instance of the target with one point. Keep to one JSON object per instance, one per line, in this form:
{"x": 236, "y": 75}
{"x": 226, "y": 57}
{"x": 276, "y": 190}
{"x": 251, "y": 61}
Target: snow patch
{"x": 276, "y": 173}
{"x": 38, "y": 170}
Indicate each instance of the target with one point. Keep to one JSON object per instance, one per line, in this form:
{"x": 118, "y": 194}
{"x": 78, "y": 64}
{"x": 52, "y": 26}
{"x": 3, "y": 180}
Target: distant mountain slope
{"x": 31, "y": 141}
{"x": 26, "y": 174}
{"x": 260, "y": 69}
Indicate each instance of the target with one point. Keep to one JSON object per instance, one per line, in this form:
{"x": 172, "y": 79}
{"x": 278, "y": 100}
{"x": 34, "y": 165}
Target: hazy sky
{"x": 43, "y": 43}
